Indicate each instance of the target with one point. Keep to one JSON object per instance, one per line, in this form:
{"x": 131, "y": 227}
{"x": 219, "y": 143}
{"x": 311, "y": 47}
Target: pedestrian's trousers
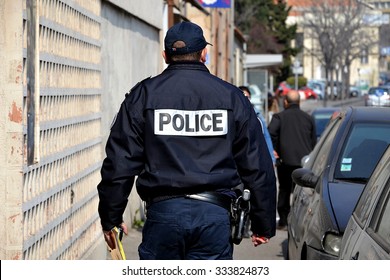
{"x": 186, "y": 229}
{"x": 286, "y": 187}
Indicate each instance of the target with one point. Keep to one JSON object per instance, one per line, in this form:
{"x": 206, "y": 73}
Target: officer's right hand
{"x": 258, "y": 240}
{"x": 109, "y": 236}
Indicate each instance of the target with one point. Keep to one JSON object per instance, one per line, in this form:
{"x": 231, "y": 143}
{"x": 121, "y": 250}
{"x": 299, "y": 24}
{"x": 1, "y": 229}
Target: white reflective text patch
{"x": 190, "y": 123}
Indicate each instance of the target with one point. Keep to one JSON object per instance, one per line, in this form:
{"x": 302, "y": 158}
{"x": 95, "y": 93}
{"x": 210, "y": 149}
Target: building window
{"x": 364, "y": 56}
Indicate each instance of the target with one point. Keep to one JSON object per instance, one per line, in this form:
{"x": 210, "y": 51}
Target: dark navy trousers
{"x": 186, "y": 229}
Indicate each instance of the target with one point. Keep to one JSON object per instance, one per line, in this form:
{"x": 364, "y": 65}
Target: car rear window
{"x": 362, "y": 150}
{"x": 378, "y": 91}
{"x": 321, "y": 120}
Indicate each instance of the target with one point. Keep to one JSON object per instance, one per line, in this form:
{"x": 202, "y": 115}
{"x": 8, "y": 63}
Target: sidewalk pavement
{"x": 274, "y": 250}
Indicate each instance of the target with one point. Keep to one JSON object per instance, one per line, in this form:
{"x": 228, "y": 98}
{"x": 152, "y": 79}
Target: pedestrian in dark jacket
{"x": 190, "y": 137}
{"x": 293, "y": 136}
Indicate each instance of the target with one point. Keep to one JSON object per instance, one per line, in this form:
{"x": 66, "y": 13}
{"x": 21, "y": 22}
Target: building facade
{"x": 366, "y": 68}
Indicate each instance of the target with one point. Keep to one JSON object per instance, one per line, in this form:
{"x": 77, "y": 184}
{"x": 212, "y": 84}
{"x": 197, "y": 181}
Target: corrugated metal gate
{"x": 60, "y": 219}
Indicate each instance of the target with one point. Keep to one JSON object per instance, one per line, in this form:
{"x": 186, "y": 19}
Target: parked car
{"x": 282, "y": 89}
{"x": 322, "y": 117}
{"x": 354, "y": 91}
{"x": 378, "y": 96}
{"x": 332, "y": 178}
{"x": 318, "y": 87}
{"x": 363, "y": 86}
{"x": 307, "y": 93}
{"x": 367, "y": 235}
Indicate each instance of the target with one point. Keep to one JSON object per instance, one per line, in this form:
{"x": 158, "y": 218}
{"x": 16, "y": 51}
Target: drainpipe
{"x": 170, "y": 13}
{"x": 32, "y": 82}
{"x": 231, "y": 35}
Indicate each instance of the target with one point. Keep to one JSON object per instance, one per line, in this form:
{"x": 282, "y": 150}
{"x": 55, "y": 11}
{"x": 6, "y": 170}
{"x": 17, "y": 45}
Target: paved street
{"x": 309, "y": 105}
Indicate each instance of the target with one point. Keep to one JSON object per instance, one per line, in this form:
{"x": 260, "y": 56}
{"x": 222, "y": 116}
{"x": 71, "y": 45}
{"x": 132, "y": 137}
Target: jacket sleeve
{"x": 124, "y": 160}
{"x": 267, "y": 137}
{"x": 256, "y": 171}
{"x": 313, "y": 134}
{"x": 274, "y": 131}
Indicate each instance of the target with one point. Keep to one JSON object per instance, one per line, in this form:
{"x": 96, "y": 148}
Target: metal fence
{"x": 60, "y": 218}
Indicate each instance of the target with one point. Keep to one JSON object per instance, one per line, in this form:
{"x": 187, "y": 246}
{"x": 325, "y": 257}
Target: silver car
{"x": 367, "y": 236}
{"x": 378, "y": 96}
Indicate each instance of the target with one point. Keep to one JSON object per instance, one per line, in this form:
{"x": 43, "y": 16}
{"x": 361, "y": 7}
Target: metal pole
{"x": 296, "y": 80}
{"x": 232, "y": 43}
{"x": 296, "y": 69}
{"x": 32, "y": 81}
{"x": 170, "y": 13}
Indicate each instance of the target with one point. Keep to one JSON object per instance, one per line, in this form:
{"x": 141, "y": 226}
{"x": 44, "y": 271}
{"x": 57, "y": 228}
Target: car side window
{"x": 380, "y": 222}
{"x": 322, "y": 157}
{"x": 369, "y": 195}
{"x": 362, "y": 150}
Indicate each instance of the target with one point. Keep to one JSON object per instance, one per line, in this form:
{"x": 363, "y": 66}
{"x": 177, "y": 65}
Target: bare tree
{"x": 339, "y": 31}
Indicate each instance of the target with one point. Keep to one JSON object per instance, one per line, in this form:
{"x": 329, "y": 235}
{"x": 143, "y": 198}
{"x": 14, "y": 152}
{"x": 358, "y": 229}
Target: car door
{"x": 305, "y": 200}
{"x": 367, "y": 235}
{"x": 372, "y": 242}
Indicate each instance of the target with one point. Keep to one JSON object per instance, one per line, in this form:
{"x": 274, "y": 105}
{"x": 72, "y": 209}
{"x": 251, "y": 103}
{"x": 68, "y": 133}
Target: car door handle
{"x": 355, "y": 257}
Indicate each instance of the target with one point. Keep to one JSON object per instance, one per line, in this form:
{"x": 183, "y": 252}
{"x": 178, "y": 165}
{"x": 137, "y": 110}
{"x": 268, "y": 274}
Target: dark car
{"x": 332, "y": 179}
{"x": 322, "y": 117}
{"x": 367, "y": 236}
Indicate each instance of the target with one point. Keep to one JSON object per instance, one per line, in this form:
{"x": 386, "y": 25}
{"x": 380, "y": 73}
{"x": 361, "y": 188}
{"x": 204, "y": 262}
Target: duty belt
{"x": 216, "y": 198}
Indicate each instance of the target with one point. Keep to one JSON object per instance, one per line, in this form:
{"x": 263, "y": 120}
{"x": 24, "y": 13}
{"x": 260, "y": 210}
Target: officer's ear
{"x": 203, "y": 55}
{"x": 164, "y": 54}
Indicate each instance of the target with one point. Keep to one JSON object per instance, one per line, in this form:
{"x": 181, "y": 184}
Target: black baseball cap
{"x": 188, "y": 32}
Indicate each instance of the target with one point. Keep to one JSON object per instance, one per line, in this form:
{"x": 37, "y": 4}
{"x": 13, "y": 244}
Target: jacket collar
{"x": 293, "y": 106}
{"x": 187, "y": 65}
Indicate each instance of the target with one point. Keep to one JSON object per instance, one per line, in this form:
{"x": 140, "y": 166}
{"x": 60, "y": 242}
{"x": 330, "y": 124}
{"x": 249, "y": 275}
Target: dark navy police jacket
{"x": 186, "y": 131}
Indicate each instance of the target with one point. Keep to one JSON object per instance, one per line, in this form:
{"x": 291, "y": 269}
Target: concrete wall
{"x": 130, "y": 53}
{"x": 149, "y": 11}
{"x": 11, "y": 134}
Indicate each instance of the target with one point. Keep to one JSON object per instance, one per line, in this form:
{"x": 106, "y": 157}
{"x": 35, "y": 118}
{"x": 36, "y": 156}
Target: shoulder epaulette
{"x": 137, "y": 84}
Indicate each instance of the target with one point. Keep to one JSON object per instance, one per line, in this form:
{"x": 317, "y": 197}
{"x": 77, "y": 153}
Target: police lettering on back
{"x": 190, "y": 123}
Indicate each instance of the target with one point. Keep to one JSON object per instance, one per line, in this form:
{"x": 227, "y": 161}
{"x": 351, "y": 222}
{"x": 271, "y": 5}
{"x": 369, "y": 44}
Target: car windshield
{"x": 361, "y": 152}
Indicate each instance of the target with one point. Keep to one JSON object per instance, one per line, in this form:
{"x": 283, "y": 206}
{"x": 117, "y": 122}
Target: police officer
{"x": 190, "y": 137}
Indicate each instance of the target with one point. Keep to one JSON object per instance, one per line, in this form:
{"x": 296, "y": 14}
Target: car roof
{"x": 370, "y": 113}
{"x": 384, "y": 87}
{"x": 325, "y": 109}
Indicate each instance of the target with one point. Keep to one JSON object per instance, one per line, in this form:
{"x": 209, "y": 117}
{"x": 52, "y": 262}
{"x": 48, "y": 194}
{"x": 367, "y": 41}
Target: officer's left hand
{"x": 258, "y": 240}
